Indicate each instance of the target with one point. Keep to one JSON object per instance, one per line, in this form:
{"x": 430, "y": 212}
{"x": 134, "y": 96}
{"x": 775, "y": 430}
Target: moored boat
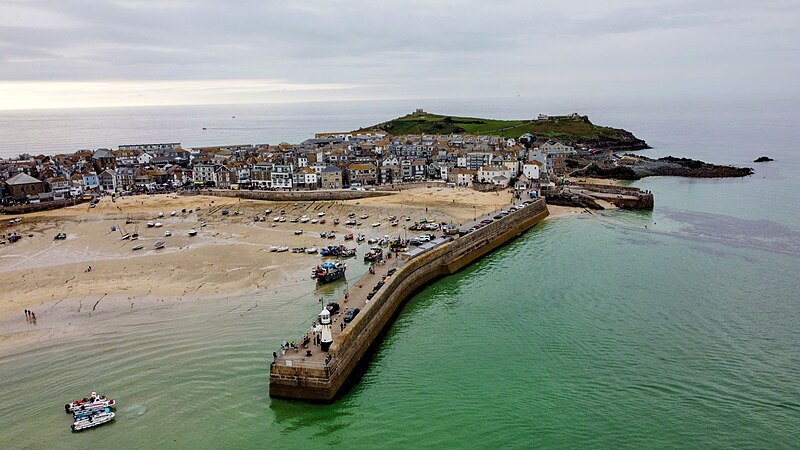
{"x": 192, "y": 232}
{"x": 93, "y": 401}
{"x": 311, "y": 250}
{"x": 93, "y": 420}
{"x": 282, "y": 248}
{"x": 137, "y": 247}
{"x": 329, "y": 271}
{"x": 159, "y": 245}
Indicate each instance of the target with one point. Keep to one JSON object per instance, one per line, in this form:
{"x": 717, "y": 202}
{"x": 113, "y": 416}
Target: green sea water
{"x": 663, "y": 329}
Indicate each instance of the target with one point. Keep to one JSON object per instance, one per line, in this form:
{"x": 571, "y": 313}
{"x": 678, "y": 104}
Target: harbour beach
{"x": 229, "y": 257}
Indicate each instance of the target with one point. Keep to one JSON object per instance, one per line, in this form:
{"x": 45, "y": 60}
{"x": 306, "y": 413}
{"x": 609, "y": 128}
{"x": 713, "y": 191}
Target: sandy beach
{"x": 229, "y": 257}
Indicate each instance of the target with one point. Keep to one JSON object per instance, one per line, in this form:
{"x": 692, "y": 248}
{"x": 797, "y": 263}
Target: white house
{"x": 556, "y": 149}
{"x": 144, "y": 158}
{"x": 532, "y": 170}
{"x": 500, "y": 175}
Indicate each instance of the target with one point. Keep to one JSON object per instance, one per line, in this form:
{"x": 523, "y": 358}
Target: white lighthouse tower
{"x": 327, "y": 337}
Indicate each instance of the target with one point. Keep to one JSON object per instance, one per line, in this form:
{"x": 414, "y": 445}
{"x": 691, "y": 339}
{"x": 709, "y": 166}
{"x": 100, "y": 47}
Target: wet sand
{"x": 228, "y": 258}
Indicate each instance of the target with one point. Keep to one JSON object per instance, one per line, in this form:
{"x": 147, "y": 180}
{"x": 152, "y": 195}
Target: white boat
{"x": 276, "y": 219}
{"x": 173, "y": 213}
{"x": 274, "y": 248}
{"x": 167, "y": 233}
{"x": 151, "y": 224}
{"x": 159, "y": 224}
{"x": 93, "y": 401}
{"x": 283, "y": 219}
{"x": 314, "y": 220}
{"x": 94, "y": 420}
{"x": 312, "y": 250}
{"x": 161, "y": 214}
{"x": 269, "y": 211}
{"x": 282, "y": 248}
{"x": 138, "y": 247}
{"x": 304, "y": 219}
{"x": 159, "y": 245}
{"x": 192, "y": 232}
{"x": 298, "y": 232}
{"x": 364, "y": 216}
{"x": 321, "y": 214}
{"x": 376, "y": 224}
{"x": 203, "y": 223}
{"x": 126, "y": 236}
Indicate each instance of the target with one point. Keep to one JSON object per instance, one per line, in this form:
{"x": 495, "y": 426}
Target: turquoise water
{"x": 671, "y": 328}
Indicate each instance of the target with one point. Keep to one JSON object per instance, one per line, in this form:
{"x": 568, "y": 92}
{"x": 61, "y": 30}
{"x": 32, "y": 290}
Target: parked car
{"x": 333, "y": 307}
{"x": 351, "y": 314}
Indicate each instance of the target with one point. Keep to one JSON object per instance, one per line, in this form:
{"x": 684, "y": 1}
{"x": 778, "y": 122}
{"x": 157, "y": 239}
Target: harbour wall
{"x": 295, "y": 196}
{"x": 323, "y": 383}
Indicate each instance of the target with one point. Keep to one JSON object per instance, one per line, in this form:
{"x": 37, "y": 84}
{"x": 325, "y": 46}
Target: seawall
{"x": 300, "y": 379}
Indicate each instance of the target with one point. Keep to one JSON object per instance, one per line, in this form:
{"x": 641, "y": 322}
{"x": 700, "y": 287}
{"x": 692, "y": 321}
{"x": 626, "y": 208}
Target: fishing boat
{"x": 268, "y": 211}
{"x": 159, "y": 224}
{"x": 298, "y": 232}
{"x": 276, "y": 219}
{"x": 167, "y": 233}
{"x": 282, "y": 219}
{"x": 299, "y": 250}
{"x": 321, "y": 214}
{"x": 311, "y": 250}
{"x": 282, "y": 248}
{"x": 137, "y": 247}
{"x": 192, "y": 232}
{"x": 361, "y": 238}
{"x": 151, "y": 224}
{"x": 364, "y": 216}
{"x": 351, "y": 215}
{"x": 159, "y": 245}
{"x": 274, "y": 248}
{"x": 304, "y": 219}
{"x": 173, "y": 213}
{"x": 94, "y": 420}
{"x": 60, "y": 236}
{"x": 339, "y": 251}
{"x": 376, "y": 225}
{"x": 329, "y": 271}
{"x": 92, "y": 401}
{"x": 331, "y": 235}
{"x": 350, "y": 222}
{"x": 348, "y": 237}
{"x": 372, "y": 241}
{"x": 295, "y": 220}
{"x": 160, "y": 215}
{"x": 314, "y": 220}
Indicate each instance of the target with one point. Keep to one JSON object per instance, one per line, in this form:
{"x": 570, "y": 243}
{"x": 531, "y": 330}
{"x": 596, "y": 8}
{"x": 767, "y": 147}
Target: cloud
{"x": 392, "y": 49}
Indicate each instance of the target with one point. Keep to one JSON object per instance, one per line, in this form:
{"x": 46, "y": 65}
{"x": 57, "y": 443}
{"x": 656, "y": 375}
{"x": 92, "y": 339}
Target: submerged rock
{"x": 763, "y": 159}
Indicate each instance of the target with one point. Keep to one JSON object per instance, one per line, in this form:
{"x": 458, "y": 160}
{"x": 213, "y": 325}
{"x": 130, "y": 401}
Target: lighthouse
{"x": 327, "y": 337}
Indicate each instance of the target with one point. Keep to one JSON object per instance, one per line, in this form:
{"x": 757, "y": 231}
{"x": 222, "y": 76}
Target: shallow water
{"x": 670, "y": 328}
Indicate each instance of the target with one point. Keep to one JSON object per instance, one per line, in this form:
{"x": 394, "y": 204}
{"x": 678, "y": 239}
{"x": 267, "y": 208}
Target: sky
{"x": 91, "y": 53}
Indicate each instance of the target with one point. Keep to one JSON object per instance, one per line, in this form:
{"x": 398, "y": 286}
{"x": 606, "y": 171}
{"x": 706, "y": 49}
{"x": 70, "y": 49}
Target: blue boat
{"x": 329, "y": 271}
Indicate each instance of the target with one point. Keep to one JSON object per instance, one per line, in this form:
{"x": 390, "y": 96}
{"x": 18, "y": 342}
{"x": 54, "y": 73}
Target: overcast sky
{"x": 68, "y": 53}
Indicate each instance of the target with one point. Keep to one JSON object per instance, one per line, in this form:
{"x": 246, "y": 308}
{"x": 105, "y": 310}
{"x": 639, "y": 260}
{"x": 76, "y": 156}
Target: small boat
{"x": 160, "y": 215}
{"x": 159, "y": 245}
{"x": 60, "y": 236}
{"x": 311, "y": 250}
{"x": 274, "y": 248}
{"x": 304, "y": 219}
{"x": 321, "y": 214}
{"x": 192, "y": 232}
{"x": 167, "y": 233}
{"x": 159, "y": 224}
{"x": 322, "y": 221}
{"x": 137, "y": 247}
{"x": 350, "y": 222}
{"x": 93, "y": 401}
{"x": 348, "y": 237}
{"x": 282, "y": 248}
{"x": 374, "y": 254}
{"x": 269, "y": 211}
{"x": 126, "y": 236}
{"x": 358, "y": 223}
{"x": 299, "y": 250}
{"x": 293, "y": 220}
{"x": 276, "y": 219}
{"x": 151, "y": 224}
{"x": 135, "y": 234}
{"x": 364, "y": 216}
{"x": 329, "y": 271}
{"x": 376, "y": 225}
{"x": 336, "y": 221}
{"x": 173, "y": 213}
{"x": 298, "y": 232}
{"x": 94, "y": 420}
{"x": 202, "y": 224}
{"x": 372, "y": 241}
{"x": 314, "y": 220}
{"x": 361, "y": 238}
{"x": 331, "y": 235}
{"x": 351, "y": 215}
{"x": 282, "y": 219}
{"x": 323, "y": 235}
{"x": 394, "y": 223}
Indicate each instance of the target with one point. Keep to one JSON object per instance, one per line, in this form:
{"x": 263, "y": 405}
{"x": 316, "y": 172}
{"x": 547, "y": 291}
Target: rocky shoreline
{"x": 635, "y": 167}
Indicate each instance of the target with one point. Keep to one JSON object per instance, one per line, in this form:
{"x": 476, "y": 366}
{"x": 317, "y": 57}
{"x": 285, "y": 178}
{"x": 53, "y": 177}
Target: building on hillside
{"x": 461, "y": 176}
{"x": 331, "y": 178}
{"x": 107, "y": 180}
{"x": 362, "y": 174}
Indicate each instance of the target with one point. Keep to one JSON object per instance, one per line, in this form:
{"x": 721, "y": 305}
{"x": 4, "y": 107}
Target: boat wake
{"x": 133, "y": 411}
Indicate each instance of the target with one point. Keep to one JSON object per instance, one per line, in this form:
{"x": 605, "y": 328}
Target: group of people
{"x": 30, "y": 316}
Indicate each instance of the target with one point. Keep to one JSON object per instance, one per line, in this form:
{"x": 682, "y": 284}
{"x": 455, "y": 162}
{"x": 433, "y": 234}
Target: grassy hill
{"x": 564, "y": 128}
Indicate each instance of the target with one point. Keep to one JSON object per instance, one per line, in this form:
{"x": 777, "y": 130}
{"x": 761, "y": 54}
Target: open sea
{"x": 677, "y": 327}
